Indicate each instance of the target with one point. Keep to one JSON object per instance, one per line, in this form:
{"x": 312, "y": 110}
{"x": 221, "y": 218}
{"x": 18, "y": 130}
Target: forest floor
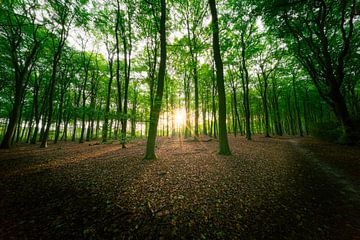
{"x": 269, "y": 188}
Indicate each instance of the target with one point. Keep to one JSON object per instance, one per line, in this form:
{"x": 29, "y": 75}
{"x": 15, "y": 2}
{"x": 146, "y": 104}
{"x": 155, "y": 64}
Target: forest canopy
{"x": 119, "y": 69}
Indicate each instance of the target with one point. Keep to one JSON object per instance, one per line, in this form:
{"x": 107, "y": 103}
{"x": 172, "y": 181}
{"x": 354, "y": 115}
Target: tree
{"x": 242, "y": 40}
{"x": 21, "y": 32}
{"x": 155, "y": 110}
{"x": 108, "y": 95}
{"x": 278, "y": 65}
{"x": 63, "y": 15}
{"x": 126, "y": 35}
{"x": 268, "y": 60}
{"x": 224, "y": 148}
{"x": 193, "y": 13}
{"x": 321, "y": 35}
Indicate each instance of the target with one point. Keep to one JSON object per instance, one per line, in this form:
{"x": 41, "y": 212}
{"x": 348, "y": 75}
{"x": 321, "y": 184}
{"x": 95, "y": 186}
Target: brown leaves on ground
{"x": 269, "y": 188}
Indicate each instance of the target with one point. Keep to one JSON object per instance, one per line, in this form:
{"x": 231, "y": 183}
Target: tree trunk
{"x": 18, "y": 131}
{"x": 266, "y": 109}
{"x": 107, "y": 105}
{"x": 290, "y": 116}
{"x": 306, "y": 111}
{"x": 213, "y": 128}
{"x": 155, "y": 111}
{"x": 127, "y": 47}
{"x": 55, "y": 63}
{"x": 36, "y": 108}
{"x": 275, "y": 102}
{"x": 65, "y": 131}
{"x": 297, "y": 108}
{"x": 341, "y": 112}
{"x": 204, "y": 106}
{"x": 245, "y": 86}
{"x": 233, "y": 117}
{"x": 97, "y": 126}
{"x": 14, "y": 115}
{"x": 81, "y": 140}
{"x": 60, "y": 116}
{"x": 224, "y": 148}
{"x": 22, "y": 72}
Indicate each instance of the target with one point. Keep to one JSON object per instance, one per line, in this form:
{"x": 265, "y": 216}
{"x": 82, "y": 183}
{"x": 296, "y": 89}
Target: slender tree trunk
{"x": 214, "y": 121}
{"x": 66, "y": 124}
{"x": 43, "y": 124}
{"x": 155, "y": 111}
{"x": 97, "y": 126}
{"x": 306, "y": 111}
{"x": 36, "y": 108}
{"x": 88, "y": 130}
{"x": 205, "y": 132}
{"x": 195, "y": 77}
{"x": 73, "y": 137}
{"x": 18, "y": 131}
{"x": 133, "y": 119}
{"x": 24, "y": 130}
{"x": 266, "y": 109}
{"x": 111, "y": 127}
{"x": 107, "y": 105}
{"x": 83, "y": 126}
{"x": 60, "y": 116}
{"x": 35, "y": 133}
{"x": 290, "y": 116}
{"x": 278, "y": 126}
{"x": 187, "y": 105}
{"x": 56, "y": 61}
{"x": 84, "y": 97}
{"x": 245, "y": 86}
{"x": 77, "y": 104}
{"x": 14, "y": 116}
{"x": 297, "y": 108}
{"x": 127, "y": 47}
{"x": 31, "y": 121}
{"x": 233, "y": 117}
{"x": 224, "y": 148}
{"x": 22, "y": 72}
{"x": 237, "y": 122}
{"x": 117, "y": 71}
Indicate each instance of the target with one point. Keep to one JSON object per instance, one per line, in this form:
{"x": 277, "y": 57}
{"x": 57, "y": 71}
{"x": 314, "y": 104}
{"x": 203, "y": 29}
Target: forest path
{"x": 269, "y": 188}
{"x": 345, "y": 185}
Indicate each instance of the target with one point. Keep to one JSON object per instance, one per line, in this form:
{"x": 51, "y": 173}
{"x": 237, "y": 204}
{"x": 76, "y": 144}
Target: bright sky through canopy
{"x": 180, "y": 116}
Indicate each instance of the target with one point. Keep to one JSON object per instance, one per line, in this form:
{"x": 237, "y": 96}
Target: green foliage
{"x": 280, "y": 39}
{"x": 328, "y": 131}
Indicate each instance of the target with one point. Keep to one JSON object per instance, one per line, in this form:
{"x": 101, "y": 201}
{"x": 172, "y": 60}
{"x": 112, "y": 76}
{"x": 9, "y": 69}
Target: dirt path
{"x": 345, "y": 185}
{"x": 277, "y": 188}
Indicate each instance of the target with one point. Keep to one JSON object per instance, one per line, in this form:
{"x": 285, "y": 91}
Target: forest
{"x": 247, "y": 108}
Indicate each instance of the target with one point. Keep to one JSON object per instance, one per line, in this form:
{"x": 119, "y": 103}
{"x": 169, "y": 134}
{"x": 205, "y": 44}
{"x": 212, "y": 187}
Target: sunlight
{"x": 180, "y": 116}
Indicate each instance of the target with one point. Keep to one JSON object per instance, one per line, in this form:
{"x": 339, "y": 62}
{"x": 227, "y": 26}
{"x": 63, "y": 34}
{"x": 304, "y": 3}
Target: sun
{"x": 180, "y": 116}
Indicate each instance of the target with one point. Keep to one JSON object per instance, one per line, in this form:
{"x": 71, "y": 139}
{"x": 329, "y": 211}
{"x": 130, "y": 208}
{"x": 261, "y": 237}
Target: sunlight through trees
{"x": 119, "y": 70}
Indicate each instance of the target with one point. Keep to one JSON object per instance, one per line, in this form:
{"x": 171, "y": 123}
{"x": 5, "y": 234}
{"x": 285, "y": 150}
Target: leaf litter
{"x": 265, "y": 190}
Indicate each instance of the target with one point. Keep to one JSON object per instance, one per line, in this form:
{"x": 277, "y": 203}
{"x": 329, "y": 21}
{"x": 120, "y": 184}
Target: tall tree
{"x": 320, "y": 35}
{"x": 63, "y": 15}
{"x": 108, "y": 92}
{"x": 267, "y": 62}
{"x": 193, "y": 13}
{"x": 21, "y": 32}
{"x": 155, "y": 110}
{"x": 224, "y": 148}
{"x": 126, "y": 34}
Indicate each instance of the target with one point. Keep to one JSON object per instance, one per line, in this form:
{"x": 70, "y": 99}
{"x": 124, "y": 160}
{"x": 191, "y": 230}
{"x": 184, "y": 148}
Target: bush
{"x": 332, "y": 132}
{"x": 328, "y": 131}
